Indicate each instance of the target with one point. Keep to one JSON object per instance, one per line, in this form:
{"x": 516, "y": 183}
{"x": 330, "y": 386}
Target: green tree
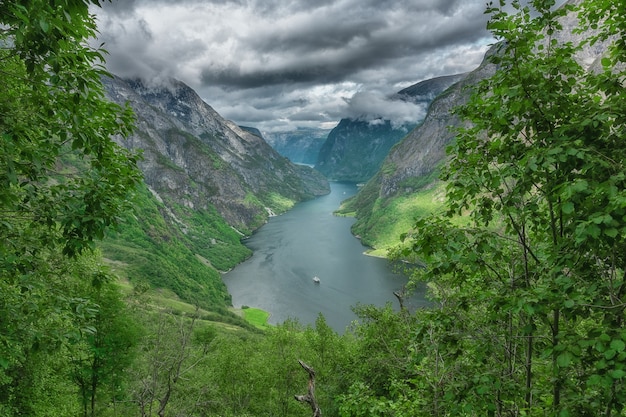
{"x": 531, "y": 285}
{"x": 63, "y": 181}
{"x": 107, "y": 350}
{"x": 53, "y": 109}
{"x": 168, "y": 356}
{"x": 284, "y": 345}
{"x": 380, "y": 369}
{"x": 332, "y": 358}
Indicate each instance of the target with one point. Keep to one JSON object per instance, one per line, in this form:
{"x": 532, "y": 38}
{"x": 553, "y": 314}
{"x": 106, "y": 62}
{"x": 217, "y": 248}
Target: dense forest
{"x": 525, "y": 262}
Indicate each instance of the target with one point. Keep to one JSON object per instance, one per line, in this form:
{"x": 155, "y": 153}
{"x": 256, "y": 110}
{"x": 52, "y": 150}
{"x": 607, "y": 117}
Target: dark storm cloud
{"x": 232, "y": 78}
{"x": 309, "y": 48}
{"x": 308, "y": 57}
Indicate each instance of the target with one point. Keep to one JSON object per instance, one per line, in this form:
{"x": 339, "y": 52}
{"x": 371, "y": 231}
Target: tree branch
{"x": 310, "y": 396}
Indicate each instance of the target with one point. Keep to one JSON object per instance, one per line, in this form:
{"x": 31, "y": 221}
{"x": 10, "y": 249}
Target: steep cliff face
{"x": 194, "y": 157}
{"x": 423, "y": 149}
{"x": 208, "y": 182}
{"x": 426, "y": 91}
{"x": 356, "y": 148}
{"x": 383, "y": 206}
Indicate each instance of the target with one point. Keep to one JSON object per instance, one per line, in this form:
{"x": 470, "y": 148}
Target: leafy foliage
{"x": 106, "y": 349}
{"x": 54, "y": 105}
{"x": 52, "y": 110}
{"x": 529, "y": 286}
{"x": 531, "y": 290}
{"x": 380, "y": 221}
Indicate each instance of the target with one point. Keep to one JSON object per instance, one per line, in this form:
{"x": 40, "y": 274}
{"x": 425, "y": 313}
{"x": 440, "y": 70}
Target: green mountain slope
{"x": 207, "y": 184}
{"x": 356, "y": 148}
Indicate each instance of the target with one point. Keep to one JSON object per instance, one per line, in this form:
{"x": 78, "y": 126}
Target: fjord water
{"x": 310, "y": 241}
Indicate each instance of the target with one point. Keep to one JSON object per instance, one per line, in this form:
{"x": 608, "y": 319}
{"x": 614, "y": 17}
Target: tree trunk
{"x": 310, "y": 396}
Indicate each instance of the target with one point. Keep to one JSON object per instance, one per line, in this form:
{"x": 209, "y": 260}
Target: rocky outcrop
{"x": 426, "y": 91}
{"x": 356, "y": 148}
{"x": 195, "y": 158}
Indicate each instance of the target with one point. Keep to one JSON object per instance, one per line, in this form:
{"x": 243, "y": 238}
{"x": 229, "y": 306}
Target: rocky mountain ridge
{"x": 355, "y": 148}
{"x": 194, "y": 157}
{"x": 424, "y": 148}
{"x": 412, "y": 164}
{"x": 207, "y": 184}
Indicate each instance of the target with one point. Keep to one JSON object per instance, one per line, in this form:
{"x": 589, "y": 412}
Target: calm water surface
{"x": 305, "y": 242}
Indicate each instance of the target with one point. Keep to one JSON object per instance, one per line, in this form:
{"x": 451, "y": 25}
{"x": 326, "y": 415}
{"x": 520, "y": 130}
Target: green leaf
{"x": 618, "y": 345}
{"x": 44, "y": 26}
{"x": 568, "y": 207}
{"x": 610, "y": 353}
{"x": 617, "y": 373}
{"x": 564, "y": 359}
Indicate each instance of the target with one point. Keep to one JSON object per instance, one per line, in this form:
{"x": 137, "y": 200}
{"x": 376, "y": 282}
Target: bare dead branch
{"x": 310, "y": 396}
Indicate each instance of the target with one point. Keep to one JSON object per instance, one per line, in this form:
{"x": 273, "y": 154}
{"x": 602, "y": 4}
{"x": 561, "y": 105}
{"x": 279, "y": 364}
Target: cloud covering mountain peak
{"x": 238, "y": 53}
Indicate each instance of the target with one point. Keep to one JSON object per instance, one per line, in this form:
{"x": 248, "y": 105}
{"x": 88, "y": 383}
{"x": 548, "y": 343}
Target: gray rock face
{"x": 196, "y": 158}
{"x": 426, "y": 91}
{"x": 355, "y": 149}
{"x": 425, "y": 147}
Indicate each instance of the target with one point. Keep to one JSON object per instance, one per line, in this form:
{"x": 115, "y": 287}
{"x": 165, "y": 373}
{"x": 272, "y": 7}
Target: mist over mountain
{"x": 412, "y": 164}
{"x": 424, "y": 148}
{"x": 356, "y": 148}
{"x": 301, "y": 146}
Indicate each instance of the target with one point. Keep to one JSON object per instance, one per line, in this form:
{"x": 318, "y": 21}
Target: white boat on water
{"x": 316, "y": 280}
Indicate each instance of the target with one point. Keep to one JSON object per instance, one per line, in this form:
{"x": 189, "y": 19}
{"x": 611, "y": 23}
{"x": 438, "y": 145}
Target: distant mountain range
{"x": 301, "y": 146}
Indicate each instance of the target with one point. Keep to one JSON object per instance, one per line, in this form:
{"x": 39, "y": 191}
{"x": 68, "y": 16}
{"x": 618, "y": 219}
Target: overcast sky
{"x": 280, "y": 64}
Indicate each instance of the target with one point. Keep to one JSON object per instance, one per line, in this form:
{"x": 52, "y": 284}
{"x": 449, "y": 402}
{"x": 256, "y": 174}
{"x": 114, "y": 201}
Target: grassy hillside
{"x": 380, "y": 222}
{"x": 181, "y": 251}
{"x": 166, "y": 301}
